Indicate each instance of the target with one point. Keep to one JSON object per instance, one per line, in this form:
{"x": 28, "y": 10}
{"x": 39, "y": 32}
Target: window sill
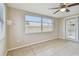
{"x": 39, "y": 33}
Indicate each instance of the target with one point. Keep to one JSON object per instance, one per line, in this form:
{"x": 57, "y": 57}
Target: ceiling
{"x": 43, "y": 8}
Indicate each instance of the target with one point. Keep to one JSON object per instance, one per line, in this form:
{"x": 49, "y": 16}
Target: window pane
{"x": 47, "y": 20}
{"x": 33, "y": 24}
{"x": 33, "y": 18}
{"x": 1, "y": 22}
{"x": 0, "y": 29}
{"x": 47, "y": 25}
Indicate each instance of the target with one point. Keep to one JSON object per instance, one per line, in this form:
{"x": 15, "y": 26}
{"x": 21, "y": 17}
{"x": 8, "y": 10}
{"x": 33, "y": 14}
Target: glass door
{"x": 70, "y": 32}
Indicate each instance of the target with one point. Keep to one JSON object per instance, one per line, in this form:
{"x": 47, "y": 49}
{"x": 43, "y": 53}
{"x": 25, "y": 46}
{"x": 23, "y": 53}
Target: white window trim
{"x": 41, "y": 25}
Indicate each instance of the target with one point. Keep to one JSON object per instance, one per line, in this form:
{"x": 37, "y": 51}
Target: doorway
{"x": 71, "y": 29}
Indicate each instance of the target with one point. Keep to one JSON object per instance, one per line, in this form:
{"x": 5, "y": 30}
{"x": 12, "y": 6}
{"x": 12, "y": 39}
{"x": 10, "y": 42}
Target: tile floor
{"x": 57, "y": 47}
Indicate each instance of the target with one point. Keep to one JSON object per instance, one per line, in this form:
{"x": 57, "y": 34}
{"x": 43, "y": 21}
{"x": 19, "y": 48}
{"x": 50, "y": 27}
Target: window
{"x": 47, "y": 25}
{"x": 34, "y": 24}
{"x": 1, "y": 22}
{"x": 0, "y": 28}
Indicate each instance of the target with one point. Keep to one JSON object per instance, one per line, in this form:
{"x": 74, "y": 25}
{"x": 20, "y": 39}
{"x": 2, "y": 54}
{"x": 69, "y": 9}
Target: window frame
{"x": 52, "y": 22}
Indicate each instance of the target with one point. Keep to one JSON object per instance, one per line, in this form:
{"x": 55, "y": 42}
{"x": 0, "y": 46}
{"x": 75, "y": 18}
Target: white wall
{"x": 61, "y": 28}
{"x": 16, "y": 34}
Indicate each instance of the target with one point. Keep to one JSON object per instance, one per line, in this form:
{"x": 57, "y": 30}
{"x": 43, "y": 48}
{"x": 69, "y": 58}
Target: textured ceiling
{"x": 43, "y": 8}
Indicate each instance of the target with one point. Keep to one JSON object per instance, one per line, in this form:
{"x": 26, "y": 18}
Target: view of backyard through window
{"x": 1, "y": 22}
{"x": 0, "y": 28}
{"x": 35, "y": 24}
{"x": 70, "y": 28}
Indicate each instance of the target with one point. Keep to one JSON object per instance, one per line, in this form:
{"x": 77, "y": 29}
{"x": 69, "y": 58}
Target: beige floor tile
{"x": 56, "y": 47}
{"x": 26, "y": 51}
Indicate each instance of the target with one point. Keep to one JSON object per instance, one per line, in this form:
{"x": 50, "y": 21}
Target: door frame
{"x": 76, "y": 28}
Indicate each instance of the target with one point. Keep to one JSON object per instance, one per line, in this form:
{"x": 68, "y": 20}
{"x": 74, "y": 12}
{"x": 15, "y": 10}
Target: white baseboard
{"x": 61, "y": 37}
{"x": 29, "y": 44}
